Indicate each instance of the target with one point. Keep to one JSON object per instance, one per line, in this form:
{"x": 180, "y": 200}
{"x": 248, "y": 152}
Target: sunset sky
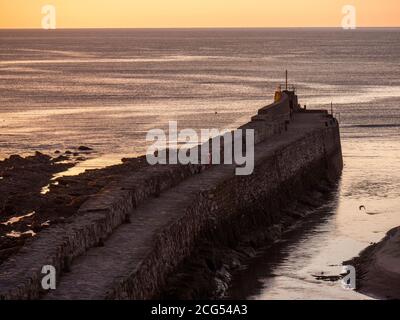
{"x": 198, "y": 13}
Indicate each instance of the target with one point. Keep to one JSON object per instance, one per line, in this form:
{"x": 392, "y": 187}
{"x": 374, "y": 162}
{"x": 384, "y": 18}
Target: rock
{"x": 84, "y": 148}
{"x": 15, "y": 157}
{"x": 60, "y": 158}
{"x": 59, "y": 220}
{"x": 68, "y": 152}
{"x": 36, "y": 225}
{"x": 40, "y": 155}
{"x": 9, "y": 210}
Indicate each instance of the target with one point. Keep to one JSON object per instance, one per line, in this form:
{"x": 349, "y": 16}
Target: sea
{"x": 106, "y": 88}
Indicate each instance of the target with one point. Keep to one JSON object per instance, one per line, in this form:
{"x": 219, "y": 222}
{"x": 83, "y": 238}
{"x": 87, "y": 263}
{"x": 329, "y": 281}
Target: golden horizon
{"x": 113, "y": 14}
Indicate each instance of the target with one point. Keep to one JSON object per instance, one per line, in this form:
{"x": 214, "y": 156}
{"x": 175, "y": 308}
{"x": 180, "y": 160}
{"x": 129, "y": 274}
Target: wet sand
{"x": 378, "y": 268}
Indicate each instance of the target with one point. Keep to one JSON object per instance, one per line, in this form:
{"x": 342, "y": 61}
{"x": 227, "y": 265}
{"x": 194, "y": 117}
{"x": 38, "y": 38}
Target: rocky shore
{"x": 25, "y": 210}
{"x": 378, "y": 268}
{"x": 21, "y": 182}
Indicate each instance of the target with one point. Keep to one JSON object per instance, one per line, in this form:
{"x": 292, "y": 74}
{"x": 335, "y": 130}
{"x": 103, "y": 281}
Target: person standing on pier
{"x": 278, "y": 94}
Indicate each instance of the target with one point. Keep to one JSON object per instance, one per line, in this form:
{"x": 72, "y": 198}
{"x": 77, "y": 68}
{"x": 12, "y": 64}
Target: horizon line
{"x": 182, "y": 28}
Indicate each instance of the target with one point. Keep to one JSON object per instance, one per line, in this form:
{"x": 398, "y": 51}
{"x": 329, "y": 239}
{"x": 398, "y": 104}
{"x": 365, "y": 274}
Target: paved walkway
{"x": 93, "y": 274}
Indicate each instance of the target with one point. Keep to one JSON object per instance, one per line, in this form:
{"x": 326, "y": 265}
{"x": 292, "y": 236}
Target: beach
{"x": 378, "y": 268}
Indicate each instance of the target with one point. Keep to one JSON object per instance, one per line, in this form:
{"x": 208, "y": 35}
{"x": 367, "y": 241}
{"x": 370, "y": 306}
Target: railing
{"x": 290, "y": 87}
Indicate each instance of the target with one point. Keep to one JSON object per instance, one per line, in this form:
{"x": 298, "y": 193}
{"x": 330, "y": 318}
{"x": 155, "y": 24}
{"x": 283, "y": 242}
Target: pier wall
{"x": 238, "y": 208}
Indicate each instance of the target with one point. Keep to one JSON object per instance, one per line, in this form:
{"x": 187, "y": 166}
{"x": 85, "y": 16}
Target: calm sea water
{"x": 106, "y": 88}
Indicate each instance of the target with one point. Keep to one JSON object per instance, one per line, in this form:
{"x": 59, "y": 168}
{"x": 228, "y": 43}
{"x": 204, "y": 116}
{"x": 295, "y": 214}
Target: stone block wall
{"x": 237, "y": 207}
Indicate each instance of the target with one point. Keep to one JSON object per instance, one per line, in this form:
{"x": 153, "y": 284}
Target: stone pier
{"x": 125, "y": 241}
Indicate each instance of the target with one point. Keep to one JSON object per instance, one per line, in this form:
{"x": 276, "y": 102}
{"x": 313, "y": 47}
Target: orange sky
{"x": 198, "y": 13}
